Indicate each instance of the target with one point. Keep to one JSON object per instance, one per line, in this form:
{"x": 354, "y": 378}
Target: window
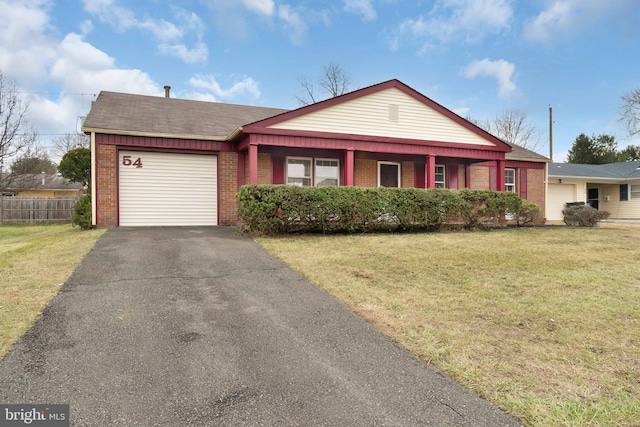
{"x": 510, "y": 180}
{"x": 440, "y": 183}
{"x": 299, "y": 171}
{"x": 327, "y": 172}
{"x": 635, "y": 191}
{"x": 624, "y": 192}
{"x": 303, "y": 171}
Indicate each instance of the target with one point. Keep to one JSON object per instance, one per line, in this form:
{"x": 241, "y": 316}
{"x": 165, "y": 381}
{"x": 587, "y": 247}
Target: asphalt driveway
{"x": 199, "y": 327}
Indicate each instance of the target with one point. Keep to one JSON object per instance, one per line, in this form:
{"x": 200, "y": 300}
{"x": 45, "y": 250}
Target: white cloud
{"x": 295, "y": 24}
{"x": 245, "y": 88}
{"x": 264, "y": 7}
{"x": 565, "y": 18}
{"x": 456, "y": 21}
{"x": 501, "y": 70}
{"x": 170, "y": 36}
{"x": 361, "y": 7}
{"x": 25, "y": 48}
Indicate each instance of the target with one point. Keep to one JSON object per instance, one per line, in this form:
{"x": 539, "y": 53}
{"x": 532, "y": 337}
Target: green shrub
{"x": 272, "y": 209}
{"x": 82, "y": 213}
{"x": 583, "y": 216}
{"x": 528, "y": 213}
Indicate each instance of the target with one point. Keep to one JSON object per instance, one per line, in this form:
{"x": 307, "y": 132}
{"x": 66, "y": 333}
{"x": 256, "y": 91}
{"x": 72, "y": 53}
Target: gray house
{"x": 612, "y": 187}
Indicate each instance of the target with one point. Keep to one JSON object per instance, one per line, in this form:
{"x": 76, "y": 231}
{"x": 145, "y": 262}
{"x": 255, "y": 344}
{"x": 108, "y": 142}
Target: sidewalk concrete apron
{"x": 195, "y": 326}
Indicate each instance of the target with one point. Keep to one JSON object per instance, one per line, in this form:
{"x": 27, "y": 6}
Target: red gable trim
{"x": 259, "y": 127}
{"x": 320, "y": 137}
{"x": 397, "y": 147}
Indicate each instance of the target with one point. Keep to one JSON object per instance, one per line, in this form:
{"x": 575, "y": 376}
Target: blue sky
{"x": 475, "y": 57}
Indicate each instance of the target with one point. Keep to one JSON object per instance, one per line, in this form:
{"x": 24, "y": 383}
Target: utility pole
{"x": 550, "y": 133}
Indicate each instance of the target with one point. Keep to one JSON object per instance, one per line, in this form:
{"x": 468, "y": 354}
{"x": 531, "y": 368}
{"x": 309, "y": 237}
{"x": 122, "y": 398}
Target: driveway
{"x": 195, "y": 326}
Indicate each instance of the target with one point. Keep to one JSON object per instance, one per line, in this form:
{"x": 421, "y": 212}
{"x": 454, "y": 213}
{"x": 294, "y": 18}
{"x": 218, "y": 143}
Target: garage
{"x": 559, "y": 195}
{"x": 160, "y": 188}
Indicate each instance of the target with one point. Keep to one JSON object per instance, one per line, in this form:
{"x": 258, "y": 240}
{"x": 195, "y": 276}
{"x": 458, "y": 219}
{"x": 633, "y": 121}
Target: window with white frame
{"x": 307, "y": 171}
{"x": 299, "y": 171}
{"x": 327, "y": 172}
{"x": 510, "y": 180}
{"x": 440, "y": 182}
{"x": 635, "y": 191}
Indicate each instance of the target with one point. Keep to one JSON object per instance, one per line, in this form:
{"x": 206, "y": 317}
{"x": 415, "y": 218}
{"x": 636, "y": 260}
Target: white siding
{"x": 169, "y": 189}
{"x": 375, "y": 115}
{"x": 629, "y": 209}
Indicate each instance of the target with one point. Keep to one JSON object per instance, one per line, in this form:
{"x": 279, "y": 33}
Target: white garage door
{"x": 559, "y": 195}
{"x": 167, "y": 189}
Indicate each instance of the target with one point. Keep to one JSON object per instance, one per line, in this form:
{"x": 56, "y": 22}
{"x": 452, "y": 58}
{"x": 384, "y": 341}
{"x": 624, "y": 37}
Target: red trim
{"x": 257, "y": 126}
{"x": 253, "y": 164}
{"x": 171, "y": 143}
{"x": 318, "y": 137}
{"x": 278, "y": 163}
{"x": 390, "y": 146}
{"x": 165, "y": 150}
{"x": 452, "y": 172}
{"x": 349, "y": 167}
{"x": 117, "y": 187}
{"x": 523, "y": 183}
{"x": 500, "y": 175}
{"x": 515, "y": 164}
{"x": 430, "y": 172}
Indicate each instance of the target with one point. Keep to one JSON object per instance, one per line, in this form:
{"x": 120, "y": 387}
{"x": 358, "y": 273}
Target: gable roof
{"x": 340, "y": 111}
{"x": 620, "y": 170}
{"x": 521, "y": 153}
{"x": 129, "y": 114}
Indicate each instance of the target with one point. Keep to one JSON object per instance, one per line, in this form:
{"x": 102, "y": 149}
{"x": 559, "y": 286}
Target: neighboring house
{"x": 613, "y": 187}
{"x": 39, "y": 185}
{"x": 164, "y": 161}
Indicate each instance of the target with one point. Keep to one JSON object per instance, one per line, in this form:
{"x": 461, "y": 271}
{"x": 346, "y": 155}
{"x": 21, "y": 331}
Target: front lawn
{"x": 544, "y": 323}
{"x": 35, "y": 260}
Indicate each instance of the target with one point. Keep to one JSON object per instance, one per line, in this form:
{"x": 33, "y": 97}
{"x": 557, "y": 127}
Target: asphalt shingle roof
{"x": 154, "y": 115}
{"x": 620, "y": 170}
{"x": 170, "y": 116}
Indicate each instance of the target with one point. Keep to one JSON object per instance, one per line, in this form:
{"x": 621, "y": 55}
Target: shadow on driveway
{"x": 196, "y": 326}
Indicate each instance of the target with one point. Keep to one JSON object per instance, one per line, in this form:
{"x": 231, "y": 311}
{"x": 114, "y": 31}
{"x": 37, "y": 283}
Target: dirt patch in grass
{"x": 34, "y": 262}
{"x": 545, "y": 323}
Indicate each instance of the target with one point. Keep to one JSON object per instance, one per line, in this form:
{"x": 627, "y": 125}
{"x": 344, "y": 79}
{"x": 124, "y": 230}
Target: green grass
{"x": 35, "y": 260}
{"x": 545, "y": 323}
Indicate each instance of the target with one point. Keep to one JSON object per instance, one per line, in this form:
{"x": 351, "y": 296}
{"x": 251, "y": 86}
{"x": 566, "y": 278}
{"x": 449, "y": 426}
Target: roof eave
{"x": 153, "y": 134}
{"x": 528, "y": 159}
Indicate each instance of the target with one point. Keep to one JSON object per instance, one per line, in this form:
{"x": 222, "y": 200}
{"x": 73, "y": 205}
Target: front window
{"x": 299, "y": 171}
{"x": 327, "y": 172}
{"x": 635, "y": 191}
{"x": 305, "y": 172}
{"x": 440, "y": 183}
{"x": 510, "y": 180}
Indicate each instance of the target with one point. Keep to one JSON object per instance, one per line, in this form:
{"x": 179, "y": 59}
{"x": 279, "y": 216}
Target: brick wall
{"x": 462, "y": 170}
{"x": 228, "y": 187}
{"x": 107, "y": 185}
{"x": 535, "y": 189}
{"x": 265, "y": 169}
{"x": 480, "y": 178}
{"x": 365, "y": 173}
{"x": 407, "y": 175}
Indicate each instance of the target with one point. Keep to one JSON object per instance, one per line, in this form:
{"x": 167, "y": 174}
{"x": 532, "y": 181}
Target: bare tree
{"x": 334, "y": 81}
{"x": 16, "y": 134}
{"x": 511, "y": 126}
{"x": 630, "y": 111}
{"x": 64, "y": 143}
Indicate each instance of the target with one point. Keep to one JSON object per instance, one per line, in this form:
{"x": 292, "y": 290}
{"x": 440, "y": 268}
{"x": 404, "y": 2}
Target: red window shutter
{"x": 523, "y": 183}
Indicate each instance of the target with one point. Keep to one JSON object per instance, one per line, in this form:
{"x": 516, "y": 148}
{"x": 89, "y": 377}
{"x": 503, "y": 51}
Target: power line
{"x": 59, "y": 93}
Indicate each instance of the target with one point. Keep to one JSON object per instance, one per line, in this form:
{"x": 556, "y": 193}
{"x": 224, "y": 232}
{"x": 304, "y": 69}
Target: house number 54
{"x": 127, "y": 161}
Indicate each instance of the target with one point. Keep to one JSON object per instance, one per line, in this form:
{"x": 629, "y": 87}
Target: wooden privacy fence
{"x": 36, "y": 209}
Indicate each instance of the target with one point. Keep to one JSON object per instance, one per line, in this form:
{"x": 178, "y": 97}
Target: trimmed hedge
{"x": 273, "y": 209}
{"x": 583, "y": 216}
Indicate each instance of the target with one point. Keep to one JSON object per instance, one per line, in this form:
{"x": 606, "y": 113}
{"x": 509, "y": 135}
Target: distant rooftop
{"x": 620, "y": 170}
